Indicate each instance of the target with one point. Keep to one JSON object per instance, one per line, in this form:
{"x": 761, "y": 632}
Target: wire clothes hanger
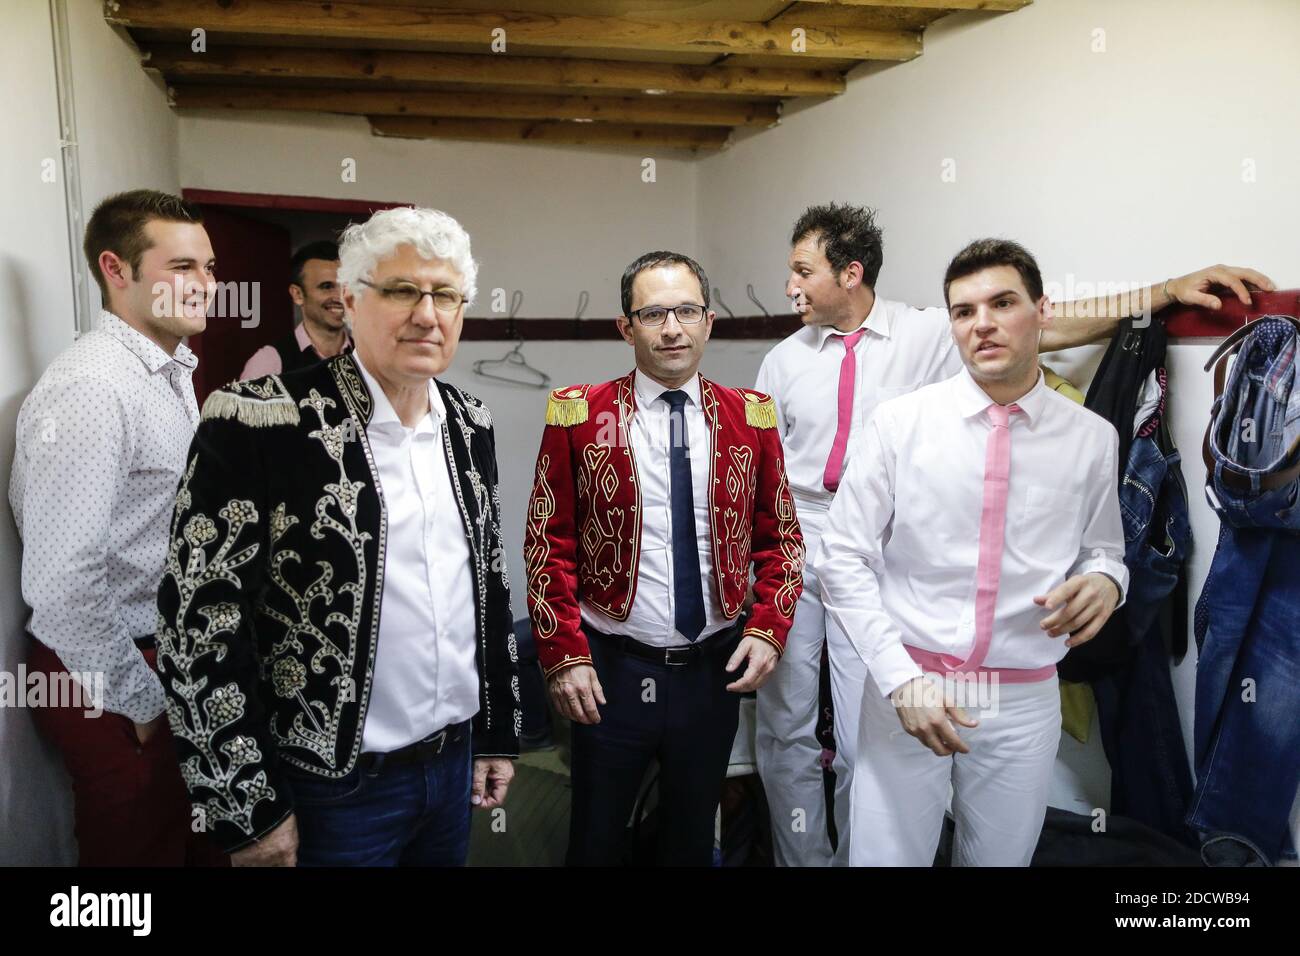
{"x": 512, "y": 368}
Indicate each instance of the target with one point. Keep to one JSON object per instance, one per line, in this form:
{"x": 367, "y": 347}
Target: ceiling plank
{"x": 948, "y": 5}
{"x": 176, "y": 61}
{"x": 380, "y": 21}
{"x": 571, "y": 134}
{"x": 613, "y": 109}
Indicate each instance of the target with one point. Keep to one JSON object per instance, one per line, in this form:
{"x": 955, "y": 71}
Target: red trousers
{"x": 130, "y": 803}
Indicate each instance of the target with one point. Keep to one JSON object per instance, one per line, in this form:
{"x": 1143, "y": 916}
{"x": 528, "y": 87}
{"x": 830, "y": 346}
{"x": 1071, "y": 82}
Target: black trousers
{"x": 681, "y": 714}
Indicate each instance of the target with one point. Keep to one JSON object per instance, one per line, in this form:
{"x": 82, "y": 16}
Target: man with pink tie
{"x": 977, "y": 524}
{"x": 855, "y": 351}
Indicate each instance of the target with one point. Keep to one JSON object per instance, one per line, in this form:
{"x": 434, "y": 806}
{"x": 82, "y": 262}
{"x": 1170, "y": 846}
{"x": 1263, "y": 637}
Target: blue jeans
{"x": 1255, "y": 431}
{"x": 1151, "y": 781}
{"x": 1247, "y": 702}
{"x": 1156, "y": 541}
{"x": 413, "y": 814}
{"x": 1248, "y": 616}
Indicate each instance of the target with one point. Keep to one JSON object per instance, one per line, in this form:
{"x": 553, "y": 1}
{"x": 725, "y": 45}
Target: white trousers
{"x": 786, "y": 722}
{"x": 999, "y": 790}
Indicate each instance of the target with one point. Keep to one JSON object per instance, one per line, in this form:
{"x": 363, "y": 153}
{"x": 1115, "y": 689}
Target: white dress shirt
{"x": 101, "y": 445}
{"x": 650, "y": 619}
{"x": 426, "y": 673}
{"x": 898, "y": 557}
{"x": 903, "y": 349}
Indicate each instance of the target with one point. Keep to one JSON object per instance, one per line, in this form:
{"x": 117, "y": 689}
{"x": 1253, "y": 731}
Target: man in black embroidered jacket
{"x": 310, "y": 727}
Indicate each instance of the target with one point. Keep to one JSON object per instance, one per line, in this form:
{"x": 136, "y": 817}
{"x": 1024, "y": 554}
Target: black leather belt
{"x": 676, "y": 656}
{"x": 422, "y": 751}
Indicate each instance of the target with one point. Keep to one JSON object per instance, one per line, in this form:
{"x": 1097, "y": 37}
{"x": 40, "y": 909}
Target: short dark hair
{"x": 988, "y": 253}
{"x": 117, "y": 226}
{"x": 324, "y": 249}
{"x": 652, "y": 260}
{"x": 846, "y": 234}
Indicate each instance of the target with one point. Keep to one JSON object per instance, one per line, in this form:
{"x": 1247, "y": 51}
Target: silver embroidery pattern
{"x": 476, "y": 555}
{"x": 205, "y": 712}
{"x": 315, "y": 725}
{"x": 483, "y": 502}
{"x": 360, "y": 406}
{"x": 259, "y": 403}
{"x": 267, "y": 388}
{"x": 487, "y": 528}
{"x": 496, "y": 524}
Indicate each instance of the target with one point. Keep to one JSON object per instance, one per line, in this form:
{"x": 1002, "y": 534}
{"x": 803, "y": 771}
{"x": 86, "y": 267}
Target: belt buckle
{"x": 672, "y": 660}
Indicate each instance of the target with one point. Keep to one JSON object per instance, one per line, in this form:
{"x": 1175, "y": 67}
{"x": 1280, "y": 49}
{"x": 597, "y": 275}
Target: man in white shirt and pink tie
{"x": 855, "y": 351}
{"x": 975, "y": 537}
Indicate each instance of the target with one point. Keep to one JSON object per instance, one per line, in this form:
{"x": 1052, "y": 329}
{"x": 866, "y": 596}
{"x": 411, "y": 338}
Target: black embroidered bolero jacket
{"x": 269, "y": 604}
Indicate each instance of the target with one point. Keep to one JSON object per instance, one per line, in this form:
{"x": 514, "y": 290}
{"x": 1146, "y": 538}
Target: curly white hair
{"x": 434, "y": 234}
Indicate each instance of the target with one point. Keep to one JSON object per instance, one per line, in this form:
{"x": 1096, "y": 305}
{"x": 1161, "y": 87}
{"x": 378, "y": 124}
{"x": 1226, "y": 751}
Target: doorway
{"x": 254, "y": 236}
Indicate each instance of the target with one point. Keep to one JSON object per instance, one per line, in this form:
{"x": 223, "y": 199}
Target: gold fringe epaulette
{"x": 262, "y": 403}
{"x": 760, "y": 410}
{"x": 567, "y": 407}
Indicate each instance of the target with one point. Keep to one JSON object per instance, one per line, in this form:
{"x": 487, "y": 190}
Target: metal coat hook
{"x": 749, "y": 290}
{"x": 516, "y": 303}
{"x": 584, "y": 297}
{"x": 717, "y": 297}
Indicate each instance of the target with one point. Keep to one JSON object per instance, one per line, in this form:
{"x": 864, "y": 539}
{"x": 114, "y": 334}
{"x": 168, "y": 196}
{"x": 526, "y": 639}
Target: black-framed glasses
{"x": 687, "y": 313}
{"x": 408, "y": 295}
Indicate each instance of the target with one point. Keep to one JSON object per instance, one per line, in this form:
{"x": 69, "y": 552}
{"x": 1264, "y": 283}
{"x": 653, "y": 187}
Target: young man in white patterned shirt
{"x": 101, "y": 444}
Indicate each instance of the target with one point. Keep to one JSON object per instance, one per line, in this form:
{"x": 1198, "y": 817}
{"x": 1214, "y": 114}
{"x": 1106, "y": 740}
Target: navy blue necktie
{"x": 688, "y": 590}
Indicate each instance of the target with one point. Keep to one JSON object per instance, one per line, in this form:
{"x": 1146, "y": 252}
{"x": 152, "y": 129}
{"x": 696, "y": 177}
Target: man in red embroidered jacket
{"x": 654, "y": 495}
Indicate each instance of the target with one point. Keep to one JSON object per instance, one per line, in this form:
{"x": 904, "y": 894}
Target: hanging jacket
{"x": 1153, "y": 503}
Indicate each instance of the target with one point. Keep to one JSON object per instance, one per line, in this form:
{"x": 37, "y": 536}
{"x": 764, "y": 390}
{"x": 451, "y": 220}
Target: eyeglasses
{"x": 407, "y": 295}
{"x": 652, "y": 315}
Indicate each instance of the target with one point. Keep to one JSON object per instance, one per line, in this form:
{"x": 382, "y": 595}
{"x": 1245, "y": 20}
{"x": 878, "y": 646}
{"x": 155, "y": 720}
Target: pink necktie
{"x": 993, "y": 522}
{"x": 848, "y": 377}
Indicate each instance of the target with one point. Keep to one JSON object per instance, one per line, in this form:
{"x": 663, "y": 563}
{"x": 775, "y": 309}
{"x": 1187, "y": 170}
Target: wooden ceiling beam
{"x": 997, "y": 6}
{"x": 380, "y": 21}
{"x": 569, "y": 134}
{"x": 401, "y": 66}
{"x": 604, "y": 109}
